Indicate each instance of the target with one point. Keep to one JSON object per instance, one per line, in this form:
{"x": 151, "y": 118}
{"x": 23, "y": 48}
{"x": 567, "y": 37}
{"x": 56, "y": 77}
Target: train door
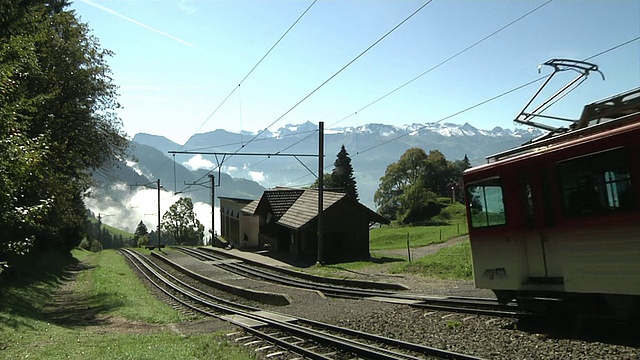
{"x": 541, "y": 250}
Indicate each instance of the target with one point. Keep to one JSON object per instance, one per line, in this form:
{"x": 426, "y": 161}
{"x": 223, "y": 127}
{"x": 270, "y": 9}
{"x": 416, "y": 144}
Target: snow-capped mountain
{"x": 372, "y": 147}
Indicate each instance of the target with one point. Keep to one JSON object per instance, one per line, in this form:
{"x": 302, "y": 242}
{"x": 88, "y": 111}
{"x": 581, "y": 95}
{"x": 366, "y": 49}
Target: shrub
{"x": 85, "y": 244}
{"x": 143, "y": 241}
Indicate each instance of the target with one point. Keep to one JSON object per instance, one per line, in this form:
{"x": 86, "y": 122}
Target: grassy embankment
{"x": 105, "y": 313}
{"x": 450, "y": 262}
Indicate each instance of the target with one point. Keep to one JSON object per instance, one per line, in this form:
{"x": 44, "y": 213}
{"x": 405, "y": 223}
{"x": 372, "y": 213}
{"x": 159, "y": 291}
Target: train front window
{"x": 486, "y": 204}
{"x": 596, "y": 184}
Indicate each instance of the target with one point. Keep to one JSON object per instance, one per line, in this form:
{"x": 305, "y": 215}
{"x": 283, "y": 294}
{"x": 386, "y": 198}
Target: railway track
{"x": 469, "y": 305}
{"x": 281, "y": 334}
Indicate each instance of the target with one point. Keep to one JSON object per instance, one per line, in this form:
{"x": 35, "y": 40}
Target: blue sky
{"x": 176, "y": 61}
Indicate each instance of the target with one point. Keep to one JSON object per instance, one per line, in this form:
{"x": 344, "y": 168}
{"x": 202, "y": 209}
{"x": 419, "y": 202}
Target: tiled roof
{"x": 305, "y": 208}
{"x": 250, "y": 208}
{"x": 280, "y": 200}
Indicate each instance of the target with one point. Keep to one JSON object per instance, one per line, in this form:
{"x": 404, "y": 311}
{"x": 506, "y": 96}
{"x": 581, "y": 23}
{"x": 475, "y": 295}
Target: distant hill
{"x": 126, "y": 192}
{"x": 146, "y": 164}
{"x": 158, "y": 142}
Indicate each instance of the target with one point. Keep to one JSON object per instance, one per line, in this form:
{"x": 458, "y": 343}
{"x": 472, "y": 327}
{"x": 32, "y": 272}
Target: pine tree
{"x": 141, "y": 230}
{"x": 342, "y": 175}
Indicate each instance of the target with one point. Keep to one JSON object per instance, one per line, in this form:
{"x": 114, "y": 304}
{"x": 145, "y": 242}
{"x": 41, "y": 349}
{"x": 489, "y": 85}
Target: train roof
{"x": 604, "y": 115}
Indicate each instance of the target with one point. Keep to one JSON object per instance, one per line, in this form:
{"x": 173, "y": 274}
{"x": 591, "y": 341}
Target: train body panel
{"x": 597, "y": 262}
{"x": 562, "y": 216}
{"x": 584, "y": 261}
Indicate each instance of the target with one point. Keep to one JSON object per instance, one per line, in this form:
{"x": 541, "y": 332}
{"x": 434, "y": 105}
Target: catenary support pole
{"x": 159, "y": 242}
{"x": 213, "y": 208}
{"x": 320, "y": 192}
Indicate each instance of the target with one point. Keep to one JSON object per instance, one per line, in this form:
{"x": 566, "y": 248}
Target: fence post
{"x": 408, "y": 248}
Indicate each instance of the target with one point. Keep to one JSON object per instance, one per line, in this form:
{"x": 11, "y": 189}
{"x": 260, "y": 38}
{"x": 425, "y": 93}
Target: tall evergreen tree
{"x": 141, "y": 230}
{"x": 342, "y": 174}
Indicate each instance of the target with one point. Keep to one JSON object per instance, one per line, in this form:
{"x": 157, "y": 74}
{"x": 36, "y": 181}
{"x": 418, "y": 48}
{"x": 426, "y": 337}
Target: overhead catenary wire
{"x": 458, "y": 54}
{"x": 446, "y": 60}
{"x": 493, "y": 98}
{"x": 331, "y": 78}
{"x": 505, "y": 93}
{"x": 256, "y": 65}
{"x": 450, "y": 58}
{"x": 248, "y": 74}
{"x": 453, "y": 57}
{"x": 343, "y": 68}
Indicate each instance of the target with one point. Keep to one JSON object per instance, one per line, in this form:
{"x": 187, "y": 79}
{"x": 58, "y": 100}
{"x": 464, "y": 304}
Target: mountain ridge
{"x": 372, "y": 148}
{"x": 415, "y": 129}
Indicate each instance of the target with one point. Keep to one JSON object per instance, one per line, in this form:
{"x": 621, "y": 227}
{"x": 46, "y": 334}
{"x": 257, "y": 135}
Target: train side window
{"x": 596, "y": 184}
{"x": 486, "y": 204}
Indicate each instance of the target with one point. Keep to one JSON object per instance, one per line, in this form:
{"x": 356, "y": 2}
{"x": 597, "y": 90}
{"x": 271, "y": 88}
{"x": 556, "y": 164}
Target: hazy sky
{"x": 176, "y": 61}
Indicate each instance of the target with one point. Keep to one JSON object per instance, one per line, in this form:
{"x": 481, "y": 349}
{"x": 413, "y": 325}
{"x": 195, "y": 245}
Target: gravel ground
{"x": 481, "y": 336}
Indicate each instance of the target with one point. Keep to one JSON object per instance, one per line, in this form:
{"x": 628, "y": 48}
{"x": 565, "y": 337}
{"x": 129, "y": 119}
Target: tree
{"x": 141, "y": 230}
{"x": 327, "y": 182}
{"x": 180, "y": 223}
{"x": 342, "y": 174}
{"x": 341, "y": 177}
{"x": 409, "y": 184}
{"x": 57, "y": 124}
{"x": 401, "y": 186}
{"x": 142, "y": 241}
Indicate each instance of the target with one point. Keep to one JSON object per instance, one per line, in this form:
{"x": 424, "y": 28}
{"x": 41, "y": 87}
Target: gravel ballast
{"x": 481, "y": 336}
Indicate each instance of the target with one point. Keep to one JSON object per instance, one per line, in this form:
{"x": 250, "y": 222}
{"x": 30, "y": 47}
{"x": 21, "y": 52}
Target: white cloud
{"x": 257, "y": 176}
{"x": 198, "y": 162}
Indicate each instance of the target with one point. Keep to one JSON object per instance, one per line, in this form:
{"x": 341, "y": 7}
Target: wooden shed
{"x": 288, "y": 222}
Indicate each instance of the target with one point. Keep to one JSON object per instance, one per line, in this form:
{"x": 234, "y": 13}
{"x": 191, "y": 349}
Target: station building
{"x": 286, "y": 220}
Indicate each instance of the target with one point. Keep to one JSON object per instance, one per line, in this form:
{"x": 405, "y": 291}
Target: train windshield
{"x": 486, "y": 203}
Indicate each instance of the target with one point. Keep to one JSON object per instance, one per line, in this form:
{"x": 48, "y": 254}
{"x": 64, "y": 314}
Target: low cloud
{"x": 198, "y": 162}
{"x": 123, "y": 207}
{"x": 134, "y": 166}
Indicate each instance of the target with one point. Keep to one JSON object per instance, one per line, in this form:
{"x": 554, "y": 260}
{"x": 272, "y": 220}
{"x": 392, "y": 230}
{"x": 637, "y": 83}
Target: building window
{"x": 486, "y": 203}
{"x": 596, "y": 184}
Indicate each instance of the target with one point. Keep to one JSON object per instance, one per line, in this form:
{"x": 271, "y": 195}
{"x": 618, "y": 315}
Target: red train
{"x": 559, "y": 218}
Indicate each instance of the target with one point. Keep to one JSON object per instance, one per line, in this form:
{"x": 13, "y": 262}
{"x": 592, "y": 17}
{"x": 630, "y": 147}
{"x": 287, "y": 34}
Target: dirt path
{"x": 72, "y": 308}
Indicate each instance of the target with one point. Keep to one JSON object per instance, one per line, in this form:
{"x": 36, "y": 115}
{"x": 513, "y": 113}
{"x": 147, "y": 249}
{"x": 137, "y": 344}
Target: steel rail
{"x": 477, "y": 306}
{"x": 367, "y": 351}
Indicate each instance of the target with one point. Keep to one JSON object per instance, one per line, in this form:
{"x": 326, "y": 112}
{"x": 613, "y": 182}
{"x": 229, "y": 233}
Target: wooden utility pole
{"x": 320, "y": 193}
